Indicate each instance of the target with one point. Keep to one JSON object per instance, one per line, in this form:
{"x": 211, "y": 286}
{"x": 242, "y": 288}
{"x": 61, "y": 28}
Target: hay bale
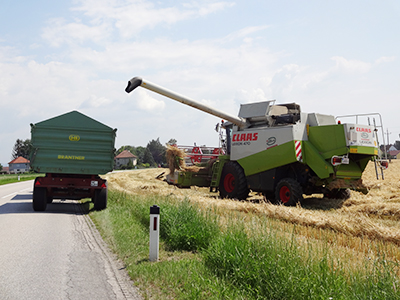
{"x": 175, "y": 158}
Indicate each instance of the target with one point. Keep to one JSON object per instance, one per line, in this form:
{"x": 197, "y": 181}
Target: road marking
{"x": 9, "y": 195}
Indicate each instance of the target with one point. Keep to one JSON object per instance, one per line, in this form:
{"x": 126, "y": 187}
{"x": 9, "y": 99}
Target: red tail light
{"x": 385, "y": 164}
{"x": 336, "y": 160}
{"x": 37, "y": 182}
{"x": 103, "y": 186}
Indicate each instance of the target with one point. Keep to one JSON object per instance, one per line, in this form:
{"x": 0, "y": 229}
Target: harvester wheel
{"x": 269, "y": 196}
{"x": 39, "y": 199}
{"x": 233, "y": 183}
{"x": 100, "y": 199}
{"x": 342, "y": 194}
{"x": 288, "y": 192}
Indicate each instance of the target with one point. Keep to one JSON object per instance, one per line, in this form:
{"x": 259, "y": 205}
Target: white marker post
{"x": 154, "y": 232}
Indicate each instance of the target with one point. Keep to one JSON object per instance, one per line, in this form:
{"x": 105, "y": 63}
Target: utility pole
{"x": 387, "y": 133}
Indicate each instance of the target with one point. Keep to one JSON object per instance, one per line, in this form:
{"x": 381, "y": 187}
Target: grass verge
{"x": 243, "y": 259}
{"x": 11, "y": 178}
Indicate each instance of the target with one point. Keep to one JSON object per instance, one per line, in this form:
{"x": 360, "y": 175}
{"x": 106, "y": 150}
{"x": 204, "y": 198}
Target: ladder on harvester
{"x": 216, "y": 176}
{"x": 379, "y": 148}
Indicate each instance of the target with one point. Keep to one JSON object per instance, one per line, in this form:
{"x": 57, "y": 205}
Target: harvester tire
{"x": 342, "y": 194}
{"x": 288, "y": 192}
{"x": 233, "y": 183}
{"x": 39, "y": 199}
{"x": 100, "y": 199}
{"x": 269, "y": 197}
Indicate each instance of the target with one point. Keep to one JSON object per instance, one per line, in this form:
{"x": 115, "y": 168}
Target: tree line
{"x": 150, "y": 156}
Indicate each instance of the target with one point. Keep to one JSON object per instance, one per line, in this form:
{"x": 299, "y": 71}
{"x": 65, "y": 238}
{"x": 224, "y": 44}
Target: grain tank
{"x": 72, "y": 149}
{"x": 282, "y": 152}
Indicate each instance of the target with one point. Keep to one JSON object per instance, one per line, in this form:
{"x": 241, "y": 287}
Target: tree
{"x": 148, "y": 158}
{"x": 139, "y": 152}
{"x": 157, "y": 150}
{"x": 22, "y": 148}
{"x": 1, "y": 168}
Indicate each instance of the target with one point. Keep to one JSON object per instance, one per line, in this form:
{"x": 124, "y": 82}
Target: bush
{"x": 184, "y": 227}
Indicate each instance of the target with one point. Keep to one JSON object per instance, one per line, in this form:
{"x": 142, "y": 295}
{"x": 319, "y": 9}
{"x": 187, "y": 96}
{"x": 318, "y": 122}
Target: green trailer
{"x": 72, "y": 149}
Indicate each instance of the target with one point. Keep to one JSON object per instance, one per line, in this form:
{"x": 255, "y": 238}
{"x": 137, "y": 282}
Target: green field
{"x": 206, "y": 256}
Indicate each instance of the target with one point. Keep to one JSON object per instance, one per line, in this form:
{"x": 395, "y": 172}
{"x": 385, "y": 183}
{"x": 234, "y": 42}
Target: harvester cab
{"x": 280, "y": 151}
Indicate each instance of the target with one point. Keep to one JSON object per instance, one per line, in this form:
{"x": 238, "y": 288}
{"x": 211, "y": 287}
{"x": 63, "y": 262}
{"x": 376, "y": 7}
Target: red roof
{"x": 394, "y": 152}
{"x": 125, "y": 154}
{"x": 19, "y": 160}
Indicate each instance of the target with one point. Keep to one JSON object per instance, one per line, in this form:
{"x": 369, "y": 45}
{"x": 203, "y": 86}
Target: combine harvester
{"x": 277, "y": 150}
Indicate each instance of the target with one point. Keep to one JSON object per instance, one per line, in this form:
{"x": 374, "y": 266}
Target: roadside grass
{"x": 124, "y": 225}
{"x": 202, "y": 256}
{"x": 11, "y": 178}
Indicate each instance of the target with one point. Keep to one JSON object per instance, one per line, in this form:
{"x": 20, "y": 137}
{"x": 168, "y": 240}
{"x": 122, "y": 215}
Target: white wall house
{"x": 19, "y": 165}
{"x": 123, "y": 159}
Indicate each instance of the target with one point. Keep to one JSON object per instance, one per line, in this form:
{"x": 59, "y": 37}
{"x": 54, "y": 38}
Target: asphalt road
{"x": 56, "y": 254}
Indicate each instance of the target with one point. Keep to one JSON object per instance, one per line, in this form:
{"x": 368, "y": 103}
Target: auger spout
{"x": 137, "y": 81}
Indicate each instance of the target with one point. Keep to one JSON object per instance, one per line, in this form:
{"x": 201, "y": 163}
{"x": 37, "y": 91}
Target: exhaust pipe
{"x": 137, "y": 81}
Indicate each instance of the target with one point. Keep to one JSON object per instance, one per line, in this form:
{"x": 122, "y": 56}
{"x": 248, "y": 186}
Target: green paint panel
{"x": 315, "y": 161}
{"x": 72, "y": 144}
{"x": 352, "y": 170}
{"x": 328, "y": 138}
{"x": 268, "y": 159}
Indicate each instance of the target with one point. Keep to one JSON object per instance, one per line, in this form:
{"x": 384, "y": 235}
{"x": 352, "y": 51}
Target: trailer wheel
{"x": 39, "y": 199}
{"x": 342, "y": 194}
{"x": 100, "y": 199}
{"x": 288, "y": 192}
{"x": 233, "y": 183}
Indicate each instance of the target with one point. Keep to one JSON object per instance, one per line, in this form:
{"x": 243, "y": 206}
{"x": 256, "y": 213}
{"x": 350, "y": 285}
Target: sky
{"x": 331, "y": 57}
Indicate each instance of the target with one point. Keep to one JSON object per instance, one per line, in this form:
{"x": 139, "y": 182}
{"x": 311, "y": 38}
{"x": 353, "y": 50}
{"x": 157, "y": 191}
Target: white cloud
{"x": 245, "y": 96}
{"x": 59, "y": 32}
{"x": 385, "y": 59}
{"x": 245, "y": 32}
{"x": 147, "y": 103}
{"x": 128, "y": 18}
{"x": 207, "y": 7}
{"x": 352, "y": 66}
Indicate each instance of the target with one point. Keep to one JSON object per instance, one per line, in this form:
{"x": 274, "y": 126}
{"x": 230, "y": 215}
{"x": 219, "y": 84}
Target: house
{"x": 5, "y": 170}
{"x": 19, "y": 165}
{"x": 123, "y": 159}
{"x": 394, "y": 154}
